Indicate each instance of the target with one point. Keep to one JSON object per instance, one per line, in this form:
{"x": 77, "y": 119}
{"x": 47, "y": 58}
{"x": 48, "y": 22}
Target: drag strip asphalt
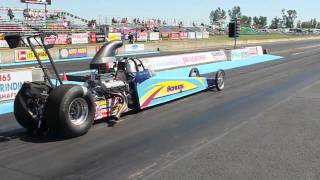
{"x": 150, "y": 143}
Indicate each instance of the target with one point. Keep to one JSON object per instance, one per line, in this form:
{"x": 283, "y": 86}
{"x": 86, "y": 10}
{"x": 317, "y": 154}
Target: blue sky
{"x": 187, "y": 11}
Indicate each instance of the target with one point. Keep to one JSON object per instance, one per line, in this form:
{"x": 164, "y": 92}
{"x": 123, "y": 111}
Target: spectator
{"x": 10, "y": 14}
{"x": 131, "y": 38}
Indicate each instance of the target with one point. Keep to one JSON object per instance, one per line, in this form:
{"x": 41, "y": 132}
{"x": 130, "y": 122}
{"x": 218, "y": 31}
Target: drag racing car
{"x": 116, "y": 84}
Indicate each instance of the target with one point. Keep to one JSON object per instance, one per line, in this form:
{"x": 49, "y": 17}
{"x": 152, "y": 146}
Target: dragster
{"x": 115, "y": 86}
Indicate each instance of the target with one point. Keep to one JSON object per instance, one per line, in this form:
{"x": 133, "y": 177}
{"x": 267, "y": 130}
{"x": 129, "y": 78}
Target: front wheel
{"x": 70, "y": 110}
{"x": 220, "y": 80}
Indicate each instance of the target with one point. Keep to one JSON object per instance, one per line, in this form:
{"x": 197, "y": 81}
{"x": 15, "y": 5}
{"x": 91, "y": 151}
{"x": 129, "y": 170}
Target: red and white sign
{"x": 93, "y": 37}
{"x": 62, "y": 39}
{"x": 50, "y": 39}
{"x": 175, "y": 36}
{"x": 11, "y": 83}
{"x": 80, "y": 38}
{"x": 183, "y": 35}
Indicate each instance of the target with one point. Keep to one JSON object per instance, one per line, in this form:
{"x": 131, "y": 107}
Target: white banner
{"x": 175, "y": 61}
{"x": 245, "y": 53}
{"x": 134, "y": 47}
{"x": 191, "y": 35}
{"x": 205, "y": 35}
{"x": 154, "y": 36}
{"x": 80, "y": 38}
{"x": 11, "y": 82}
{"x": 252, "y": 51}
{"x": 3, "y": 44}
{"x": 199, "y": 35}
{"x": 260, "y": 50}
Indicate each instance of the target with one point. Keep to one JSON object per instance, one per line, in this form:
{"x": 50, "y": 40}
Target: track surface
{"x": 245, "y": 132}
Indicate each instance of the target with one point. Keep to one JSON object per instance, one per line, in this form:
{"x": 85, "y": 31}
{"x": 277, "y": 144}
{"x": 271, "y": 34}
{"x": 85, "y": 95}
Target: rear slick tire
{"x": 70, "y": 111}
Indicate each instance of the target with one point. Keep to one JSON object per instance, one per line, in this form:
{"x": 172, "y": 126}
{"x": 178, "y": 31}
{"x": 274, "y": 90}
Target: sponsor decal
{"x": 11, "y": 83}
{"x": 68, "y": 53}
{"x": 165, "y": 88}
{"x": 27, "y": 55}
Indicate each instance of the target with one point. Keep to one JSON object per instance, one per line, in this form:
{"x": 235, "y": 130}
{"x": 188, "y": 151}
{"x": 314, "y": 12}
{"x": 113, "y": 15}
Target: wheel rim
{"x": 220, "y": 80}
{"x": 78, "y": 111}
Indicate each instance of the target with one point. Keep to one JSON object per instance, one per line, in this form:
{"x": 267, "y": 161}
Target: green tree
{"x": 288, "y": 18}
{"x": 260, "y": 22}
{"x": 299, "y": 24}
{"x": 275, "y": 23}
{"x": 234, "y": 12}
{"x": 218, "y": 16}
{"x": 246, "y": 21}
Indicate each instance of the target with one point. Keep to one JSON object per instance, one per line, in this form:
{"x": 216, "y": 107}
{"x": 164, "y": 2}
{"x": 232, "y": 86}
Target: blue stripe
{"x": 6, "y": 107}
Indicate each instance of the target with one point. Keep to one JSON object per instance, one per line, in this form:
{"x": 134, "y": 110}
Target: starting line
{"x": 207, "y": 68}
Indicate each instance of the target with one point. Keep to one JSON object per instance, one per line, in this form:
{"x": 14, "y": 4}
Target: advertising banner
{"x": 165, "y": 35}
{"x": 191, "y": 35}
{"x": 252, "y": 51}
{"x": 134, "y": 47}
{"x": 260, "y": 50}
{"x": 27, "y": 55}
{"x": 68, "y": 53}
{"x": 48, "y": 2}
{"x": 3, "y": 44}
{"x": 114, "y": 36}
{"x": 11, "y": 82}
{"x": 142, "y": 36}
{"x": 50, "y": 39}
{"x": 199, "y": 35}
{"x": 93, "y": 37}
{"x": 183, "y": 35}
{"x": 62, "y": 39}
{"x": 175, "y": 36}
{"x": 167, "y": 62}
{"x": 80, "y": 38}
{"x": 205, "y": 35}
{"x": 154, "y": 36}
{"x": 100, "y": 38}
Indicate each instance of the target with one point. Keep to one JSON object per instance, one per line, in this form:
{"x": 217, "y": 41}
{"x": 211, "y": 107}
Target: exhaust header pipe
{"x": 106, "y": 54}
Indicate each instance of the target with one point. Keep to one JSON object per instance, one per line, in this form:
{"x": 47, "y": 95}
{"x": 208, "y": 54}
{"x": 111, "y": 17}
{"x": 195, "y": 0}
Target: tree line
{"x": 287, "y": 19}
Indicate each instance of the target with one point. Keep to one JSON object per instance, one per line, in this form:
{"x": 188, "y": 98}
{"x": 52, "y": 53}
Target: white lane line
{"x": 294, "y": 54}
